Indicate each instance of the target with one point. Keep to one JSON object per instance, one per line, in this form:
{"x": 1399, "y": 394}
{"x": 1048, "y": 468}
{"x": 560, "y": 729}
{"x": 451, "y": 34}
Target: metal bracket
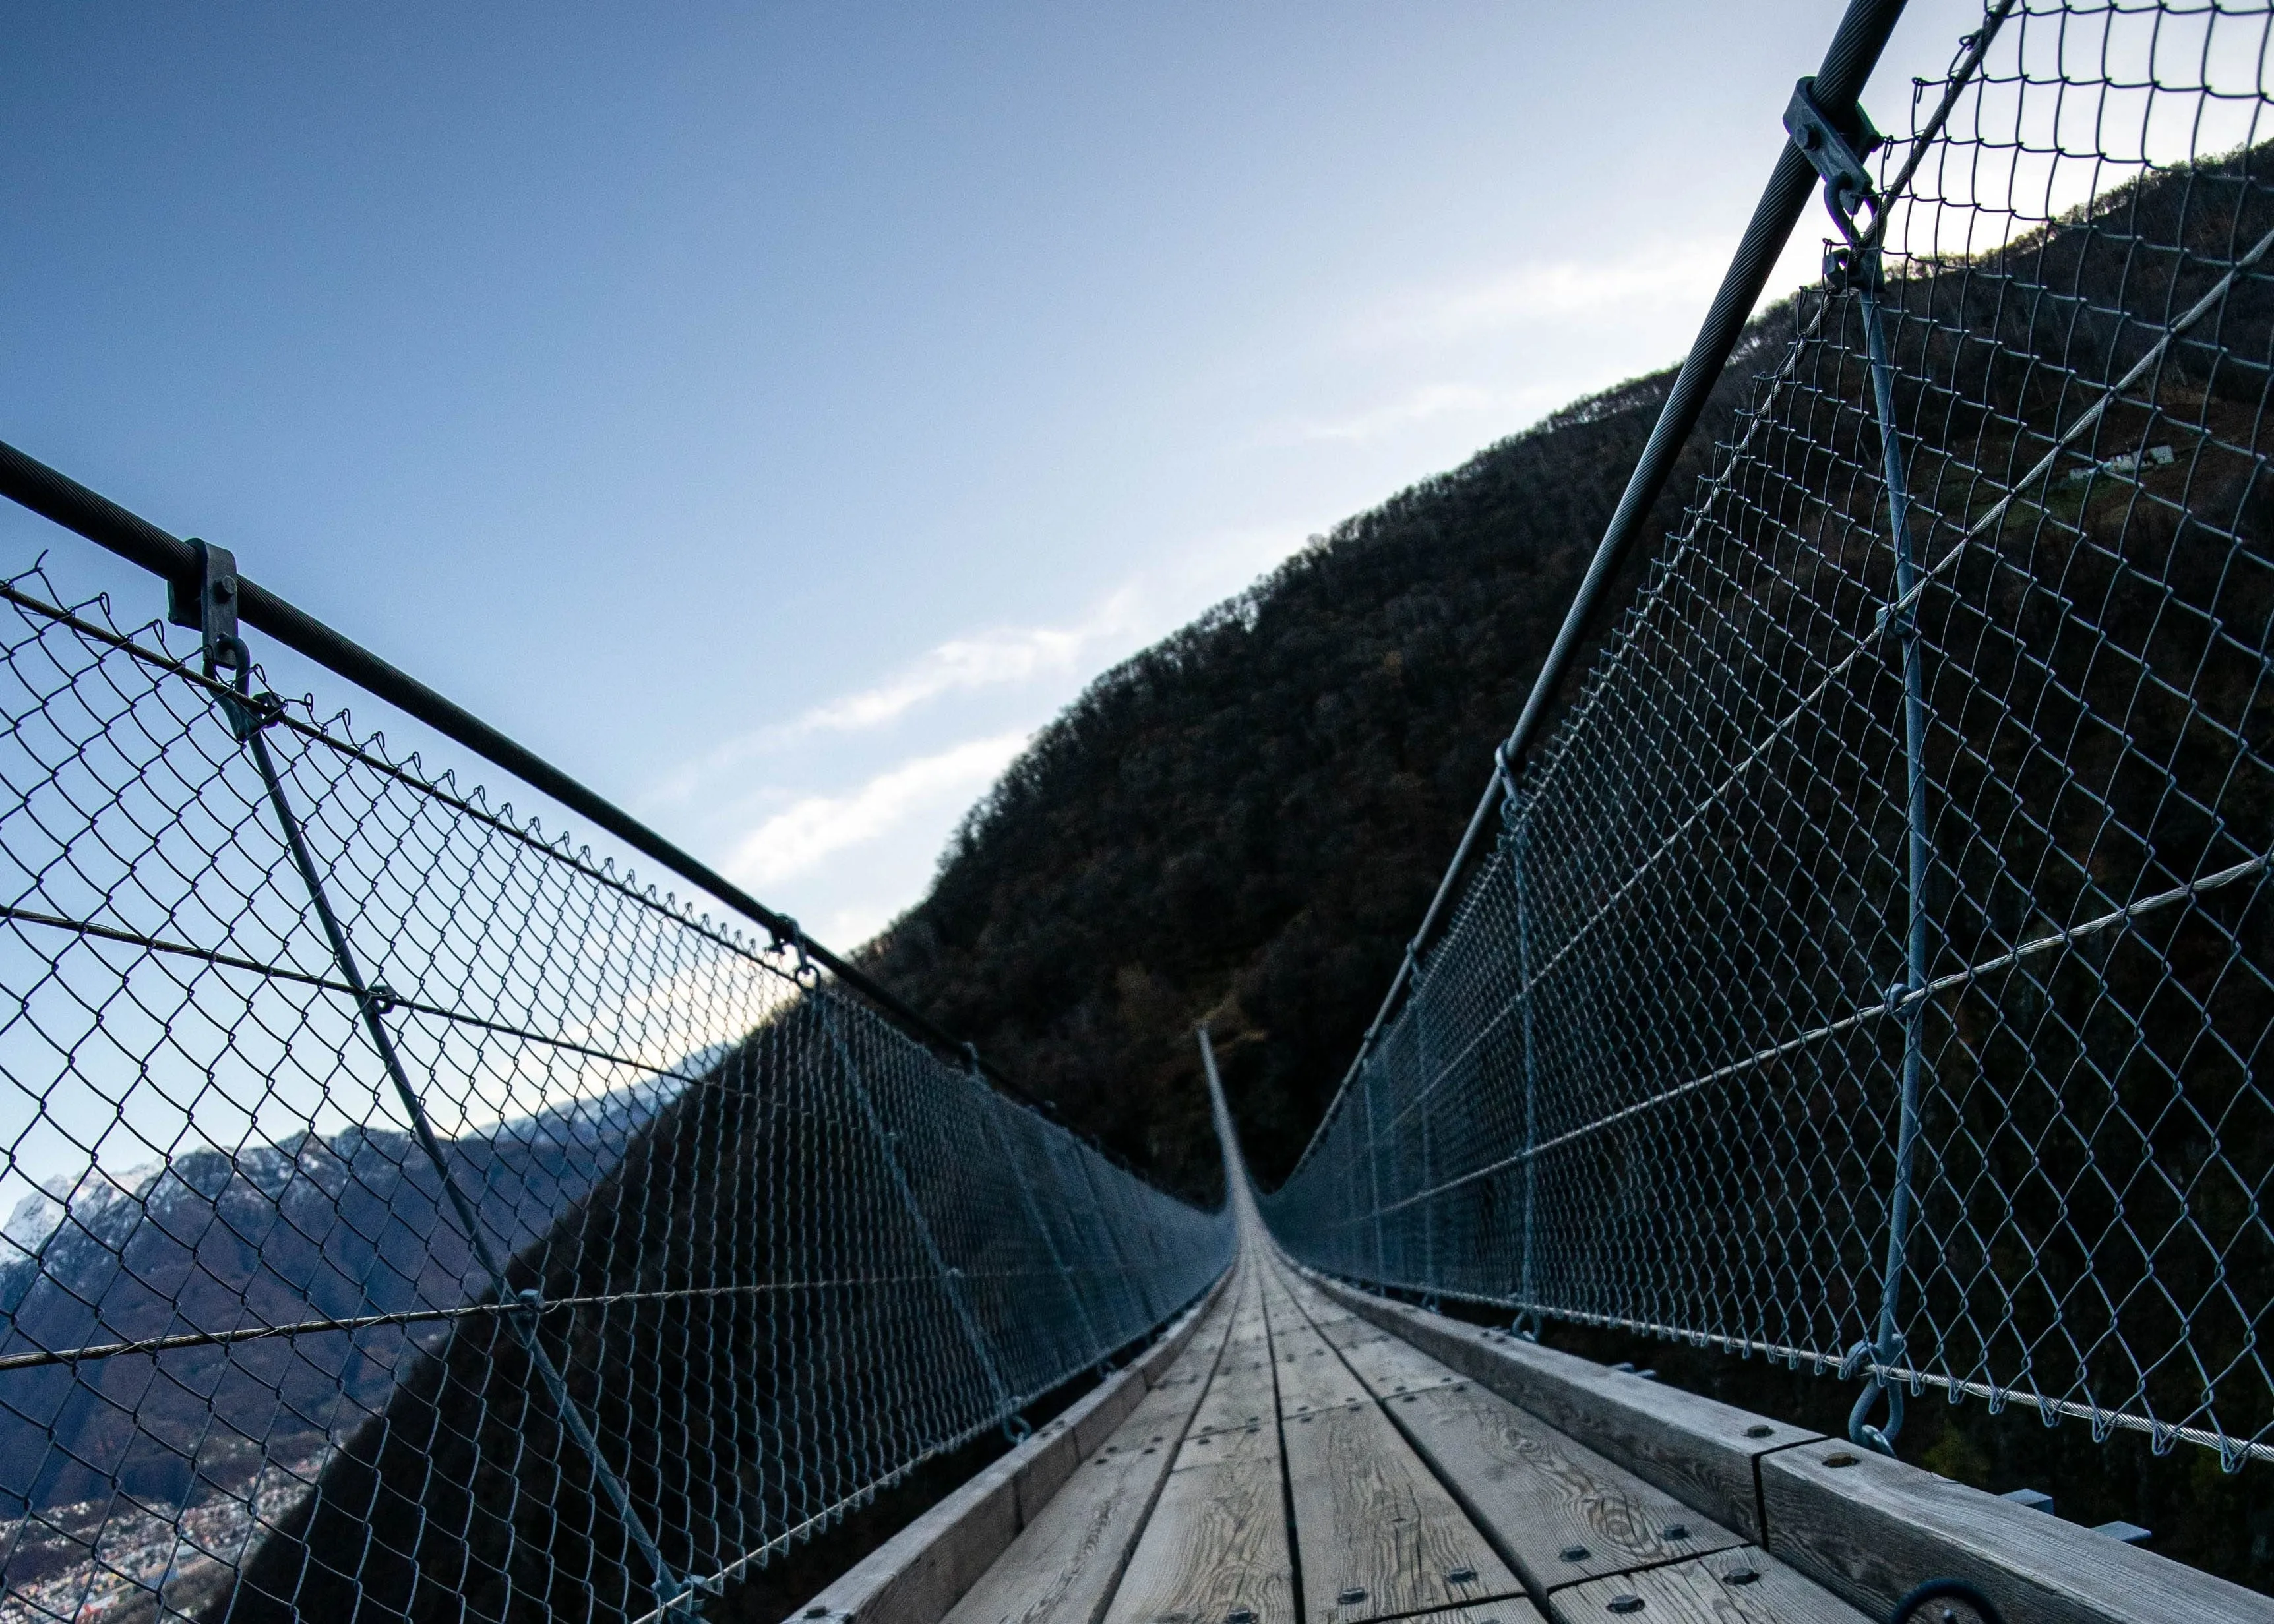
{"x": 206, "y": 605}
{"x": 1837, "y": 148}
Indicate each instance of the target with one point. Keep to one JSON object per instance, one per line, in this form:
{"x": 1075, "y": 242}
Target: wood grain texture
{"x": 1696, "y": 1449}
{"x": 1217, "y": 1541}
{"x": 1071, "y": 1548}
{"x": 1258, "y": 1444}
{"x": 1701, "y": 1592}
{"x": 1543, "y": 1497}
{"x": 1312, "y": 1376}
{"x": 1390, "y": 1366}
{"x": 1504, "y": 1610}
{"x": 916, "y": 1576}
{"x": 1240, "y": 1395}
{"x": 1378, "y": 1535}
{"x": 1872, "y": 1528}
{"x": 1063, "y": 1567}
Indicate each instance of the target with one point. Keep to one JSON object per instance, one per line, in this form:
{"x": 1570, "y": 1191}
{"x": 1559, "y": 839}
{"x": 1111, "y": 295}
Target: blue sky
{"x": 773, "y": 413}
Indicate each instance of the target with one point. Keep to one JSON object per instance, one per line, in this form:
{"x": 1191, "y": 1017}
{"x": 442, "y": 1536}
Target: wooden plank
{"x": 1259, "y": 1443}
{"x": 1561, "y": 1511}
{"x": 1388, "y": 1365}
{"x": 916, "y": 1576}
{"x": 1215, "y": 1543}
{"x": 1505, "y": 1610}
{"x": 1062, "y": 1567}
{"x": 1312, "y": 1376}
{"x": 1378, "y": 1536}
{"x": 1871, "y": 1528}
{"x": 1072, "y": 1549}
{"x": 1240, "y": 1395}
{"x": 1696, "y": 1449}
{"x": 1744, "y": 1586}
{"x": 1319, "y": 1307}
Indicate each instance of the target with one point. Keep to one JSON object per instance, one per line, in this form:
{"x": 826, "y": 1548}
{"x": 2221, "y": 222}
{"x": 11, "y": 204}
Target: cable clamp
{"x": 1856, "y": 1363}
{"x": 206, "y": 603}
{"x": 1837, "y": 148}
{"x": 791, "y": 938}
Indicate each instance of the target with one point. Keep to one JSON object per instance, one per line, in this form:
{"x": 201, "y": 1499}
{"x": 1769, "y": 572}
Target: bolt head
{"x": 1575, "y": 1553}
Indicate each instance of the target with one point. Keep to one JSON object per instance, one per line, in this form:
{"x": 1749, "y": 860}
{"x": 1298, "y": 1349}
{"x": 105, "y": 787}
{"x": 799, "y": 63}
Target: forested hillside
{"x": 1244, "y": 822}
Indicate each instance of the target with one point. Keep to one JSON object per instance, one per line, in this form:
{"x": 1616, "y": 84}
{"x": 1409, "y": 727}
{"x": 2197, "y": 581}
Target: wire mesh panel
{"x": 413, "y": 1215}
{"x": 1874, "y": 967}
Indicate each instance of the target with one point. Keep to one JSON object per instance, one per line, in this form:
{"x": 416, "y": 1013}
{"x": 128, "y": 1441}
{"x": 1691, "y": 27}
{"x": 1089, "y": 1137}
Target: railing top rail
{"x": 55, "y": 496}
{"x": 1847, "y": 62}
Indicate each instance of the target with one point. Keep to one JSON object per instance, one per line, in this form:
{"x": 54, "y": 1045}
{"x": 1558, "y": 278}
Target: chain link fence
{"x": 1872, "y": 970}
{"x": 413, "y": 1215}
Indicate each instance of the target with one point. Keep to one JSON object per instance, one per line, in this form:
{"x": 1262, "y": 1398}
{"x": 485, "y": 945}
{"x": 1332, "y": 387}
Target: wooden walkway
{"x": 1298, "y": 1465}
{"x": 1278, "y": 1458}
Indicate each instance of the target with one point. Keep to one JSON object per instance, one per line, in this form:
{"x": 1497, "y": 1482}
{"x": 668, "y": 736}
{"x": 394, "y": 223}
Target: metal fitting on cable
{"x": 1836, "y": 146}
{"x": 1858, "y": 1362}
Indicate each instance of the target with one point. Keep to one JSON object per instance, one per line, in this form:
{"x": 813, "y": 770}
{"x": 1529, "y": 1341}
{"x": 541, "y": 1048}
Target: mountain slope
{"x": 1264, "y": 801}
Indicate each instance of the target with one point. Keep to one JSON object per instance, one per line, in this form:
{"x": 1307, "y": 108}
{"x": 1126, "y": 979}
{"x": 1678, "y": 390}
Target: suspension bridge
{"x": 1858, "y": 960}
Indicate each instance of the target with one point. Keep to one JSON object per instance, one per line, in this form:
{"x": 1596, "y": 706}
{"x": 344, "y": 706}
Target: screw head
{"x": 1239, "y": 1615}
{"x": 1759, "y": 1429}
{"x": 1740, "y": 1575}
{"x": 816, "y": 1612}
{"x": 1352, "y": 1595}
{"x": 1841, "y": 1459}
{"x": 1677, "y": 1531}
{"x": 1462, "y": 1575}
{"x": 1626, "y": 1603}
{"x": 1575, "y": 1553}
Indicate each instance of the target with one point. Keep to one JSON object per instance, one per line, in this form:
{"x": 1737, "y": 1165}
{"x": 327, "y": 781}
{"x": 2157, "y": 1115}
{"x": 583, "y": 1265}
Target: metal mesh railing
{"x": 1873, "y": 969}
{"x": 413, "y": 1215}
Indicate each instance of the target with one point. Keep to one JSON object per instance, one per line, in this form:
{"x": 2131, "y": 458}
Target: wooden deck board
{"x": 1064, "y": 1564}
{"x": 1312, "y": 1376}
{"x": 1702, "y": 1593}
{"x": 1216, "y": 1543}
{"x": 1503, "y": 1610}
{"x": 1379, "y": 1536}
{"x": 1320, "y": 1451}
{"x": 1562, "y": 1512}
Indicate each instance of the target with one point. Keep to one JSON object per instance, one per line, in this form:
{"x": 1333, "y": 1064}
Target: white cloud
{"x": 1434, "y": 401}
{"x": 1557, "y": 290}
{"x": 802, "y": 834}
{"x": 994, "y": 659}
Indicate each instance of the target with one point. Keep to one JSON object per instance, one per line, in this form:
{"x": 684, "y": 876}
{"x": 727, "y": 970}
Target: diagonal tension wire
{"x": 246, "y": 721}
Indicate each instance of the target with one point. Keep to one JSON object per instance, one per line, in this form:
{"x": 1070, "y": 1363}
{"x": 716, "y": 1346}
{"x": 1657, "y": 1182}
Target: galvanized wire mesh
{"x": 1679, "y": 1063}
{"x": 659, "y": 1252}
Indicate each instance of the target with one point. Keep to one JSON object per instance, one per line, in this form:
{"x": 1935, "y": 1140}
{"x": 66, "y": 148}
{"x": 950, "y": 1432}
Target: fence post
{"x": 1419, "y": 999}
{"x": 950, "y": 1279}
{"x": 1374, "y": 1172}
{"x": 1513, "y": 831}
{"x": 1865, "y": 274}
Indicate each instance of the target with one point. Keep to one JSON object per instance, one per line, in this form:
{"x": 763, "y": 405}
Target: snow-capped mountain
{"x": 341, "y": 1227}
